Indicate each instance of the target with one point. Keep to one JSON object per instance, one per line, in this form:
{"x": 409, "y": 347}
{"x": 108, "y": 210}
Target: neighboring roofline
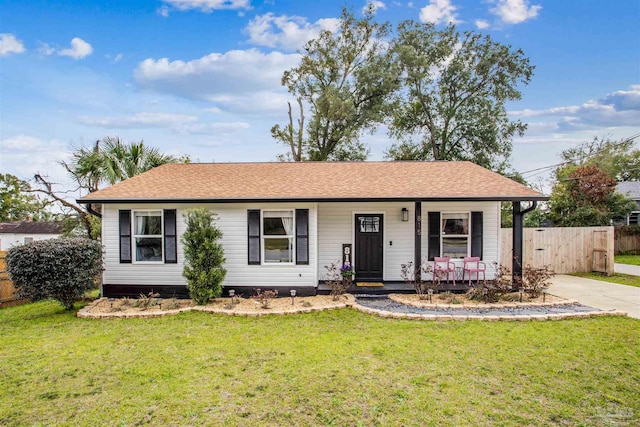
{"x": 323, "y": 199}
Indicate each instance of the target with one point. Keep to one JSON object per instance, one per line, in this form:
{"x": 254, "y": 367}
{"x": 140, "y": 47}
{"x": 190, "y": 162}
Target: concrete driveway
{"x": 633, "y": 270}
{"x": 598, "y": 294}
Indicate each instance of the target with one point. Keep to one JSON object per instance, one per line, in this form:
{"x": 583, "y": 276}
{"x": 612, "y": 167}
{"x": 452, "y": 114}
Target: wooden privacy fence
{"x": 627, "y": 243}
{"x": 8, "y": 295}
{"x": 563, "y": 249}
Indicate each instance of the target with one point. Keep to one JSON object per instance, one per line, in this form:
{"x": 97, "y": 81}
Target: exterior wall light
{"x": 405, "y": 214}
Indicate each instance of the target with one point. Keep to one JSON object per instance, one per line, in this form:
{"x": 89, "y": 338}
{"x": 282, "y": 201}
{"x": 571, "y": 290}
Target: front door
{"x": 368, "y": 256}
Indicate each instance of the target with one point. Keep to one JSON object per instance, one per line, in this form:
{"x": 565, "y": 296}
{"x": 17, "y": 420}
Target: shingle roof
{"x": 317, "y": 181}
{"x": 630, "y": 189}
{"x": 31, "y": 227}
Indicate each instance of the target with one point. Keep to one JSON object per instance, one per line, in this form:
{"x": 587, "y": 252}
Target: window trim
{"x": 134, "y": 245}
{"x": 292, "y": 237}
{"x": 468, "y": 235}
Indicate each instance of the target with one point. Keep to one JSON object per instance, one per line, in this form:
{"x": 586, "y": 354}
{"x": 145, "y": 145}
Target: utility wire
{"x": 544, "y": 168}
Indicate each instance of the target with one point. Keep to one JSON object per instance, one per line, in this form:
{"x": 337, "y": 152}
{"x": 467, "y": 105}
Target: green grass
{"x": 338, "y": 367}
{"x": 619, "y": 278}
{"x": 627, "y": 259}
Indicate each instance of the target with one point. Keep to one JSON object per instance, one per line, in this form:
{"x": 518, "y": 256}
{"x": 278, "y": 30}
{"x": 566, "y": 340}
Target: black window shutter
{"x": 434, "y": 235}
{"x": 476, "y": 234}
{"x": 302, "y": 236}
{"x": 170, "y": 237}
{"x": 253, "y": 228}
{"x": 125, "y": 236}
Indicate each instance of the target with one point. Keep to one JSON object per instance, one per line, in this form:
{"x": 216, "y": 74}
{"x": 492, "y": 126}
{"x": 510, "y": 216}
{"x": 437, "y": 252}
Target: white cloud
{"x": 45, "y": 49}
{"x": 288, "y": 32}
{"x": 163, "y": 11}
{"x": 140, "y": 120}
{"x": 10, "y": 44}
{"x": 374, "y": 4}
{"x": 79, "y": 49}
{"x": 616, "y": 109}
{"x": 439, "y": 12}
{"x": 481, "y": 24}
{"x": 248, "y": 77}
{"x": 515, "y": 11}
{"x": 206, "y": 6}
{"x": 178, "y": 123}
{"x": 21, "y": 143}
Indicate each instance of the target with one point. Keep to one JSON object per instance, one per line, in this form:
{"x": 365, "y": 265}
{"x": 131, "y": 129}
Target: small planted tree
{"x": 61, "y": 269}
{"x": 204, "y": 256}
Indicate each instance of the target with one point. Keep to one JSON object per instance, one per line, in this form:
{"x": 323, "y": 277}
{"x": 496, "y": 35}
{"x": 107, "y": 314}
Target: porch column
{"x": 418, "y": 241}
{"x": 518, "y": 224}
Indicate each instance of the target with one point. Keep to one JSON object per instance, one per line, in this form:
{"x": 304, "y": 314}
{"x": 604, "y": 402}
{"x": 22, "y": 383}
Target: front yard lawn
{"x": 337, "y": 367}
{"x": 627, "y": 259}
{"x": 619, "y": 278}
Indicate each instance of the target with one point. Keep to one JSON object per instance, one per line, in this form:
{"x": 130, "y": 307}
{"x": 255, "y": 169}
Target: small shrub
{"x": 204, "y": 256}
{"x": 171, "y": 304}
{"x": 145, "y": 301}
{"x": 126, "y": 302}
{"x": 338, "y": 279}
{"x": 534, "y": 280}
{"x": 496, "y": 288}
{"x": 307, "y": 304}
{"x": 409, "y": 275}
{"x": 62, "y": 269}
{"x": 265, "y": 297}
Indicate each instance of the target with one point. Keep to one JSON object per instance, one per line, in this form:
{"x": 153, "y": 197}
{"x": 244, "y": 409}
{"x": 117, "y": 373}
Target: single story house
{"x": 284, "y": 222}
{"x": 631, "y": 189}
{"x": 18, "y": 233}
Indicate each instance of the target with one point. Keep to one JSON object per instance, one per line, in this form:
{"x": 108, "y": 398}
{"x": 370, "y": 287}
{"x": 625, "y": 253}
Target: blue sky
{"x": 202, "y": 77}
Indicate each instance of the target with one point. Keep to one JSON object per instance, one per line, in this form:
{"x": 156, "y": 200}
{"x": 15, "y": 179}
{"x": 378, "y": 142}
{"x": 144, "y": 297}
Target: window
{"x": 277, "y": 236}
{"x": 634, "y": 218}
{"x": 147, "y": 236}
{"x": 455, "y": 235}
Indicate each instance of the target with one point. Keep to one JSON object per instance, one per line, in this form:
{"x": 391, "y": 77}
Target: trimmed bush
{"x": 203, "y": 256}
{"x": 62, "y": 269}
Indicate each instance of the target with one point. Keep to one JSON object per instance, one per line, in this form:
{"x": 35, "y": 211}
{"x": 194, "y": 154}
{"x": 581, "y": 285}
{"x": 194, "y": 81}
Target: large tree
{"x": 585, "y": 196}
{"x": 618, "y": 158}
{"x": 344, "y": 79}
{"x": 17, "y": 202}
{"x": 108, "y": 161}
{"x": 452, "y": 104}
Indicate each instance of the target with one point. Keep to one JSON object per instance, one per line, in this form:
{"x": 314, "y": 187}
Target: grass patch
{"x": 619, "y": 278}
{"x": 338, "y": 367}
{"x": 627, "y": 259}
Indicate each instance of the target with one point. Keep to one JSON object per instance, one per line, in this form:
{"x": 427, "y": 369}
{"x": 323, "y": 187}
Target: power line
{"x": 544, "y": 168}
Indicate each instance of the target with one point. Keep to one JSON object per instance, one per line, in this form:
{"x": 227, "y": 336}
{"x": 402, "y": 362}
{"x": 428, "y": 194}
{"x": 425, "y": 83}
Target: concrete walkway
{"x": 633, "y": 270}
{"x": 599, "y": 294}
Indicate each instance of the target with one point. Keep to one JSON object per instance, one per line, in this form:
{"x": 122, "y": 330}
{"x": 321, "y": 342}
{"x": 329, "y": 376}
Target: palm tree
{"x": 112, "y": 160}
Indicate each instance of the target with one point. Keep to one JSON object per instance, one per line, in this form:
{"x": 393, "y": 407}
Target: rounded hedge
{"x": 62, "y": 269}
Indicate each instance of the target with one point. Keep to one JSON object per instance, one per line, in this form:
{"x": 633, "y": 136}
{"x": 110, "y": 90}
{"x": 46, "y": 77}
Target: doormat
{"x": 369, "y": 284}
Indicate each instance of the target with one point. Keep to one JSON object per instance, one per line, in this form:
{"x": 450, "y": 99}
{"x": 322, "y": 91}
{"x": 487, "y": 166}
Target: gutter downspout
{"x": 518, "y": 224}
{"x": 92, "y": 211}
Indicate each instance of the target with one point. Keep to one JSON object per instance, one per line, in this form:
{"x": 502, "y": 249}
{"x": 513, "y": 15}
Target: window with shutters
{"x": 455, "y": 234}
{"x": 147, "y": 231}
{"x": 278, "y": 236}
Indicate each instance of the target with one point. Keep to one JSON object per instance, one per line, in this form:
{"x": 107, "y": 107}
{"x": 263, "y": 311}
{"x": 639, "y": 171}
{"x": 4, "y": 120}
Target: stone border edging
{"x": 423, "y": 304}
{"x": 85, "y": 312}
{"x": 487, "y": 318}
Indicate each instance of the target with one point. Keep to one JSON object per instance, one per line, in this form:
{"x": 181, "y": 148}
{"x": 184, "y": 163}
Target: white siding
{"x": 232, "y": 220}
{"x": 336, "y": 226}
{"x": 9, "y": 240}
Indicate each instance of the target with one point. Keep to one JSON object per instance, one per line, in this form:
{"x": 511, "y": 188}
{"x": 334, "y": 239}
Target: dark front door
{"x": 368, "y": 247}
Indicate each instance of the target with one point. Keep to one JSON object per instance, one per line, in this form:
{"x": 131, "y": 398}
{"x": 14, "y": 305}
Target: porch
{"x": 392, "y": 287}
